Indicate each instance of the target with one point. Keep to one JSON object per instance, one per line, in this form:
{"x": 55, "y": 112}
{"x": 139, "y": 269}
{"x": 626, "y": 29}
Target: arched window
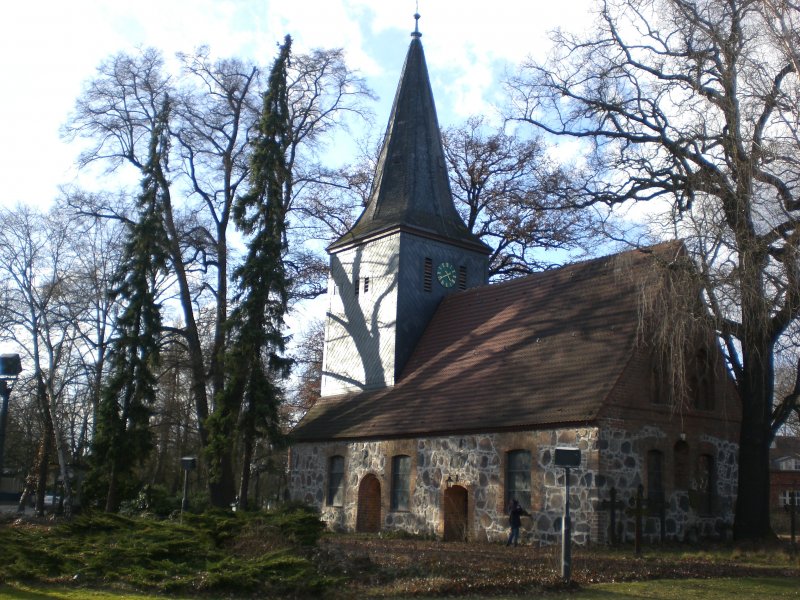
{"x": 336, "y": 480}
{"x": 658, "y": 389}
{"x": 518, "y": 478}
{"x": 681, "y": 457}
{"x": 655, "y": 476}
{"x": 401, "y": 482}
{"x": 702, "y": 382}
{"x": 705, "y": 484}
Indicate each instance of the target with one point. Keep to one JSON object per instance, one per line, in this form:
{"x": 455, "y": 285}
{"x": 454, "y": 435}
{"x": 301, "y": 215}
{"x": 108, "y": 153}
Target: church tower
{"x": 408, "y": 249}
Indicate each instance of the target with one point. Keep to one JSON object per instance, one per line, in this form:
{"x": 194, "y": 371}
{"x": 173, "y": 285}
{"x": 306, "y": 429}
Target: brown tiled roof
{"x": 537, "y": 351}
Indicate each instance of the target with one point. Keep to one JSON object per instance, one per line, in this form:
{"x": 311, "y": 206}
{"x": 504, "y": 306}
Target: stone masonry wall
{"x": 623, "y": 466}
{"x": 475, "y": 462}
{"x": 611, "y": 457}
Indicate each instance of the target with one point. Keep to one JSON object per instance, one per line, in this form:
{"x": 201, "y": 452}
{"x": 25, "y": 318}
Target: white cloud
{"x": 48, "y": 48}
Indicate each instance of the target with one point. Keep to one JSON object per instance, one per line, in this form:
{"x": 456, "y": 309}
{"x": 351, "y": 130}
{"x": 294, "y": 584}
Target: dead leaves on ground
{"x": 379, "y": 567}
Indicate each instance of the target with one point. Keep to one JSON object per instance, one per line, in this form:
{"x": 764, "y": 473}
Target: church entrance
{"x": 368, "y": 519}
{"x": 455, "y": 514}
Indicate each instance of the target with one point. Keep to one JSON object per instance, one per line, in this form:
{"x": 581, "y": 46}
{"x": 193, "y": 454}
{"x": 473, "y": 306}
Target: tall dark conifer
{"x": 254, "y": 361}
{"x": 123, "y": 436}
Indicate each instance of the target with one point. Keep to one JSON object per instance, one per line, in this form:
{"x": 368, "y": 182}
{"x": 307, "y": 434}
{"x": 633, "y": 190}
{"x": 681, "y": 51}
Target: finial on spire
{"x": 416, "y": 32}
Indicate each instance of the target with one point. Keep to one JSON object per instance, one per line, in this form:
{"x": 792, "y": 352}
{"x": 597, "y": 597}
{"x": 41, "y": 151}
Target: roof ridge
{"x": 499, "y": 285}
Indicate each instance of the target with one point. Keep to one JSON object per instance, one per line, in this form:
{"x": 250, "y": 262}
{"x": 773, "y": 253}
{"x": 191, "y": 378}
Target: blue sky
{"x": 48, "y": 48}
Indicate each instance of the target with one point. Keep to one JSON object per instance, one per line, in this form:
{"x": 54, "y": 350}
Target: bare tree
{"x": 324, "y": 96}
{"x": 308, "y": 359}
{"x": 215, "y": 109}
{"x": 508, "y": 192}
{"x": 97, "y": 253}
{"x": 37, "y": 259}
{"x": 694, "y": 106}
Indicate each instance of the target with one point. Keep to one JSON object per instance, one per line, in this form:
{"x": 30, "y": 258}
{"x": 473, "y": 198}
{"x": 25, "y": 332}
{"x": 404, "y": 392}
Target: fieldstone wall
{"x": 610, "y": 458}
{"x": 623, "y": 466}
{"x": 475, "y": 462}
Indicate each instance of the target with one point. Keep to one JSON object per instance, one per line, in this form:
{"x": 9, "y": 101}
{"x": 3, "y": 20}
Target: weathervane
{"x": 416, "y": 32}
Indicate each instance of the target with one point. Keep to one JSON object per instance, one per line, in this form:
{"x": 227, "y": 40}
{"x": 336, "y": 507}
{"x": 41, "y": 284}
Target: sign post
{"x": 10, "y": 368}
{"x": 567, "y": 457}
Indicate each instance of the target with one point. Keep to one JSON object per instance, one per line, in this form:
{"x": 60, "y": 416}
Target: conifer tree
{"x": 123, "y": 436}
{"x": 254, "y": 360}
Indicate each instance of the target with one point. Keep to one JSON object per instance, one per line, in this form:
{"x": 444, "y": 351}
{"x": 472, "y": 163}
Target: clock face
{"x": 446, "y": 274}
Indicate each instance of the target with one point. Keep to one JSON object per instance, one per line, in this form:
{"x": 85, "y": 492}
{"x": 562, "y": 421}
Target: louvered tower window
{"x": 462, "y": 278}
{"x": 427, "y": 275}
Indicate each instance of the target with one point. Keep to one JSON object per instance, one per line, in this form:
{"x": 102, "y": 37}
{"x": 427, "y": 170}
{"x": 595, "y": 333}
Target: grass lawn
{"x": 41, "y": 592}
{"x": 761, "y": 588}
{"x": 690, "y": 589}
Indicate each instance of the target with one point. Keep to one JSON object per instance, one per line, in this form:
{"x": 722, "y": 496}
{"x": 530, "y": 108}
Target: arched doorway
{"x": 455, "y": 514}
{"x": 368, "y": 519}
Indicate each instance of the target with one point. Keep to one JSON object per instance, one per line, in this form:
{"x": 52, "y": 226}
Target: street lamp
{"x": 566, "y": 457}
{"x": 10, "y": 368}
{"x": 188, "y": 463}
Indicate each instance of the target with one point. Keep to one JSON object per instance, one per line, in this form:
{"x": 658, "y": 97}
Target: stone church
{"x": 444, "y": 397}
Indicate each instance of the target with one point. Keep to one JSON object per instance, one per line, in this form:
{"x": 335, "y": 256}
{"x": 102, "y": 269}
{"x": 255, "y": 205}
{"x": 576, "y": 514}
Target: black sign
{"x": 10, "y": 365}
{"x": 568, "y": 457}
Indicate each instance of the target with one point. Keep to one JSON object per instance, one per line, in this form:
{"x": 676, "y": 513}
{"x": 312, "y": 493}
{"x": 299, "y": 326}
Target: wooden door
{"x": 455, "y": 514}
{"x": 368, "y": 519}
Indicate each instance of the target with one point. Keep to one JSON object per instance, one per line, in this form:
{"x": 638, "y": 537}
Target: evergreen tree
{"x": 123, "y": 437}
{"x": 254, "y": 361}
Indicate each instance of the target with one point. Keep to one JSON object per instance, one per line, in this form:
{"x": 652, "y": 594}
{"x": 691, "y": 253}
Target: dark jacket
{"x": 515, "y": 515}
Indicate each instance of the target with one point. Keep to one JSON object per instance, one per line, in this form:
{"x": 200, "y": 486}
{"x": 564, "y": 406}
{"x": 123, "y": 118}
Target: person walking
{"x": 515, "y": 512}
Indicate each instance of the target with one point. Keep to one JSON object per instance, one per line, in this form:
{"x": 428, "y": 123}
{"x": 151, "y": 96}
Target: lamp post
{"x": 188, "y": 463}
{"x": 566, "y": 458}
{"x": 10, "y": 368}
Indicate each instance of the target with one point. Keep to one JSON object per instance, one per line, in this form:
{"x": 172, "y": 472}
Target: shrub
{"x": 152, "y": 499}
{"x": 260, "y": 552}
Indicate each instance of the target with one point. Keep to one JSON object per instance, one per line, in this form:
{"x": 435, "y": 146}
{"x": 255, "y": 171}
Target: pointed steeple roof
{"x": 410, "y": 189}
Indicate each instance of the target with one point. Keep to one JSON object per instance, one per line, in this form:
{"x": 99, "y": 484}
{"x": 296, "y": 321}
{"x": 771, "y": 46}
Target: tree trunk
{"x": 111, "y": 495}
{"x": 247, "y": 460}
{"x": 192, "y": 335}
{"x": 32, "y": 480}
{"x": 62, "y": 458}
{"x": 222, "y": 490}
{"x": 41, "y": 474}
{"x": 752, "y": 519}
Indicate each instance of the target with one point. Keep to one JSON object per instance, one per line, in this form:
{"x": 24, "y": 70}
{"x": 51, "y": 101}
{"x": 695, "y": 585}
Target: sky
{"x": 50, "y": 48}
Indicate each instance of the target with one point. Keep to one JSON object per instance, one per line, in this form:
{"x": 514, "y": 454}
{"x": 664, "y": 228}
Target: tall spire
{"x": 411, "y": 190}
